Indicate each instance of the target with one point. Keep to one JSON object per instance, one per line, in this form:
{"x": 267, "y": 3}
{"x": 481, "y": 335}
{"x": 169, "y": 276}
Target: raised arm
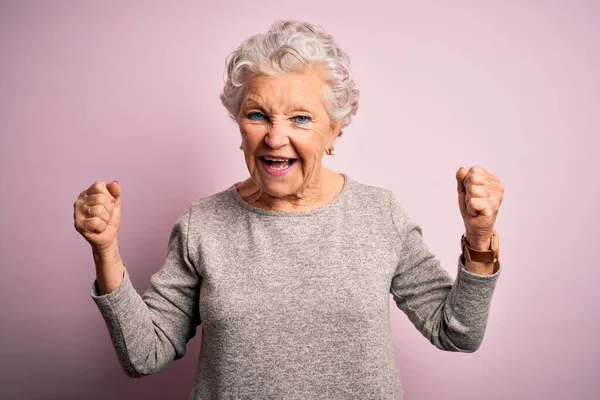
{"x": 451, "y": 314}
{"x": 149, "y": 331}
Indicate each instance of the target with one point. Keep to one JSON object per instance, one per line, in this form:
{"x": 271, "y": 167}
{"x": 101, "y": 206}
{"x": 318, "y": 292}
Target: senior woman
{"x": 289, "y": 273}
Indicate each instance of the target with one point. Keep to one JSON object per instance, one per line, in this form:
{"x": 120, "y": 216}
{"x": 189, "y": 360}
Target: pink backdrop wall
{"x": 129, "y": 91}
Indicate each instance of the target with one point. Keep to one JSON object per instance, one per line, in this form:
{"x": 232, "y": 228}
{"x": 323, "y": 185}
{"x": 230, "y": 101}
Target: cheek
{"x": 252, "y": 135}
{"x": 311, "y": 151}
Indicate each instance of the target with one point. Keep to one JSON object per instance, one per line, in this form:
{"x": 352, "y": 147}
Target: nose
{"x": 277, "y": 137}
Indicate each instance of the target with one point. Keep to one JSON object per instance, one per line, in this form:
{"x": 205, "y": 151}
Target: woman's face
{"x": 285, "y": 130}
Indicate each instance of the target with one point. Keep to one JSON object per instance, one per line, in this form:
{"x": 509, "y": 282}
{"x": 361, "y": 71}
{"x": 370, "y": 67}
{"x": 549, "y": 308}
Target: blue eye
{"x": 301, "y": 119}
{"x": 256, "y": 116}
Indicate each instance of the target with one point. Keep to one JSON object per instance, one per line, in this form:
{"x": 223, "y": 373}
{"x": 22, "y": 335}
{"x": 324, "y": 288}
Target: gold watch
{"x": 487, "y": 256}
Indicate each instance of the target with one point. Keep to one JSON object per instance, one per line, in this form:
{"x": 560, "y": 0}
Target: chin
{"x": 279, "y": 188}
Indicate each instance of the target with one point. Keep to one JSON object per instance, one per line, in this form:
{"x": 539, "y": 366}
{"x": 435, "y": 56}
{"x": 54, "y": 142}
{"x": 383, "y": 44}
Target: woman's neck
{"x": 320, "y": 191}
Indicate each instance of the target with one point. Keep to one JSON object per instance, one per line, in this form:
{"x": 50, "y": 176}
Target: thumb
{"x": 460, "y": 177}
{"x": 460, "y": 188}
{"x": 115, "y": 189}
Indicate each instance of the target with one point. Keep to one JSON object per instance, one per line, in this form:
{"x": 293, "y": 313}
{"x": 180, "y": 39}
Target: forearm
{"x": 138, "y": 332}
{"x": 461, "y": 323}
{"x": 109, "y": 268}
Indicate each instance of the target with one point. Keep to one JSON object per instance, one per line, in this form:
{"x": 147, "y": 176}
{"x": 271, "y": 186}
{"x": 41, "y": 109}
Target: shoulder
{"x": 209, "y": 208}
{"x": 368, "y": 196}
{"x": 212, "y": 202}
{"x": 381, "y": 201}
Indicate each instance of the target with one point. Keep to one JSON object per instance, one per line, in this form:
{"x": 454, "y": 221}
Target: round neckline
{"x": 303, "y": 213}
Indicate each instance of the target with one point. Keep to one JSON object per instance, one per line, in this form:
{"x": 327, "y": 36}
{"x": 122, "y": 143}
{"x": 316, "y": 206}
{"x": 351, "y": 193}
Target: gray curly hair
{"x": 285, "y": 47}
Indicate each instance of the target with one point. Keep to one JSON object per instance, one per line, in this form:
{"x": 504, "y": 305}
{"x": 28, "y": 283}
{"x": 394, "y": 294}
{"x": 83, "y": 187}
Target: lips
{"x": 277, "y": 166}
{"x": 278, "y": 162}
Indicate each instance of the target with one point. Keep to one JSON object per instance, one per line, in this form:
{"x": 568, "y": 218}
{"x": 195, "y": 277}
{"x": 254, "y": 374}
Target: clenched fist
{"x": 479, "y": 197}
{"x": 97, "y": 214}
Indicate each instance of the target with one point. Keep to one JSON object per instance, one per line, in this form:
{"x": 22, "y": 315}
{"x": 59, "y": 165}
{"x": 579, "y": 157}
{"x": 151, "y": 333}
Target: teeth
{"x": 285, "y": 166}
{"x": 276, "y": 159}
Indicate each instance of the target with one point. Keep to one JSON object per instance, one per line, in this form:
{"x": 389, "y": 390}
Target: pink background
{"x": 129, "y": 91}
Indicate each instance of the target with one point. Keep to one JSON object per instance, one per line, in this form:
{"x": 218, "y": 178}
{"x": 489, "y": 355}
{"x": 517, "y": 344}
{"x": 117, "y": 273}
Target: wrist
{"x": 110, "y": 270}
{"x": 479, "y": 242}
{"x": 481, "y": 268}
{"x": 109, "y": 254}
{"x": 105, "y": 249}
{"x": 481, "y": 255}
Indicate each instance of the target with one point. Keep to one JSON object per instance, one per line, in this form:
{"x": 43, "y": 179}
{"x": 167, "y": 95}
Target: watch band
{"x": 488, "y": 256}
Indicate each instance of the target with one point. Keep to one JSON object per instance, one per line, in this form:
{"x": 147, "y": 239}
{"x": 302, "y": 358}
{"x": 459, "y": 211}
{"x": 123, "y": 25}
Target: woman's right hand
{"x": 97, "y": 215}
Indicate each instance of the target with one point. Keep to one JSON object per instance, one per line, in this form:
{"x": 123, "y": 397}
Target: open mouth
{"x": 278, "y": 163}
{"x": 277, "y": 166}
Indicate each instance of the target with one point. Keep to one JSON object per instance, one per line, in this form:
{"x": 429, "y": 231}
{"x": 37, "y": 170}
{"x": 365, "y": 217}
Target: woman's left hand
{"x": 479, "y": 197}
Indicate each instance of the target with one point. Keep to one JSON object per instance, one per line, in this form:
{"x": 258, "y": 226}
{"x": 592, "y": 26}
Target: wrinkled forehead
{"x": 284, "y": 91}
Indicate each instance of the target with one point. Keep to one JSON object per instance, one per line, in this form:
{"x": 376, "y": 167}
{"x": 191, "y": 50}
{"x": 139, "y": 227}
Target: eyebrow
{"x": 250, "y": 103}
{"x": 301, "y": 107}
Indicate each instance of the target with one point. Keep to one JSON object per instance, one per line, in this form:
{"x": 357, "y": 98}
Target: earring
{"x": 330, "y": 151}
{"x": 242, "y": 146}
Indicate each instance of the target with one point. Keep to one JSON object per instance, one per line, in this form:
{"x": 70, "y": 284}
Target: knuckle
{"x": 82, "y": 226}
{"x": 475, "y": 190}
{"x": 477, "y": 178}
{"x": 92, "y": 224}
{"x": 98, "y": 186}
{"x": 100, "y": 226}
{"x": 96, "y": 198}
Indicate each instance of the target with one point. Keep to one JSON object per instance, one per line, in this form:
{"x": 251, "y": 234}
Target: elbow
{"x": 459, "y": 346}
{"x": 147, "y": 354}
{"x": 469, "y": 348}
{"x": 457, "y": 337}
{"x": 131, "y": 373}
{"x": 473, "y": 345}
{"x": 128, "y": 366}
{"x": 139, "y": 372}
{"x": 139, "y": 368}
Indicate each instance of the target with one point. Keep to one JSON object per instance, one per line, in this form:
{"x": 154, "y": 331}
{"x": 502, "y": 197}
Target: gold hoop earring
{"x": 242, "y": 146}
